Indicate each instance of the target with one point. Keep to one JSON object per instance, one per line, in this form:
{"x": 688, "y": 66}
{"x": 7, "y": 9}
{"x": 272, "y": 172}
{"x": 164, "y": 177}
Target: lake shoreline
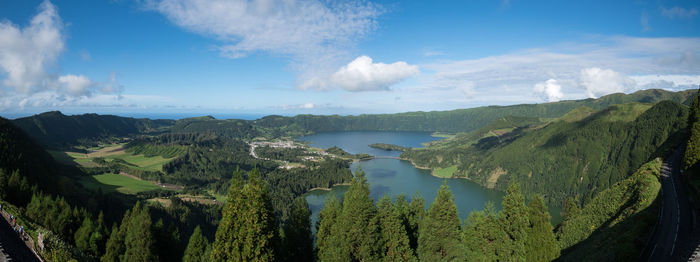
{"x": 328, "y": 188}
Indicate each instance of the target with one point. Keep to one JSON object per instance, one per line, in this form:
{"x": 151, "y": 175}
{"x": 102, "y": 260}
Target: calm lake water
{"x": 392, "y": 176}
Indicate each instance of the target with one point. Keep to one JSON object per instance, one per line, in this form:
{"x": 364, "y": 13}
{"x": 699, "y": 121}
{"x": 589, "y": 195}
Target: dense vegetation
{"x": 460, "y": 120}
{"x": 210, "y": 160}
{"x": 583, "y": 151}
{"x": 578, "y": 155}
{"x": 691, "y": 155}
{"x": 73, "y": 130}
{"x": 388, "y": 147}
{"x": 358, "y": 230}
{"x": 613, "y": 225}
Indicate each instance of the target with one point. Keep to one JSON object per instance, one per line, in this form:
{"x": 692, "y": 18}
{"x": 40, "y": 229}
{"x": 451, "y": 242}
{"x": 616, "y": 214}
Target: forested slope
{"x": 579, "y": 155}
{"x": 462, "y": 120}
{"x": 56, "y": 130}
{"x": 53, "y": 129}
{"x": 613, "y": 225}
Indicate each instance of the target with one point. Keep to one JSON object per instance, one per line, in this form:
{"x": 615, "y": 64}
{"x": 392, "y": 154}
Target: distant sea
{"x": 188, "y": 115}
{"x": 156, "y": 115}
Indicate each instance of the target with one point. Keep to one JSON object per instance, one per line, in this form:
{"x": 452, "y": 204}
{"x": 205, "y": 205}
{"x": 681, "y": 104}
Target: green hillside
{"x": 613, "y": 225}
{"x": 56, "y": 130}
{"x": 564, "y": 157}
{"x": 462, "y": 120}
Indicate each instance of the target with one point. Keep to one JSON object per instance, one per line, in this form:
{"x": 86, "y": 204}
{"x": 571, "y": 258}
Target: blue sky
{"x": 336, "y": 57}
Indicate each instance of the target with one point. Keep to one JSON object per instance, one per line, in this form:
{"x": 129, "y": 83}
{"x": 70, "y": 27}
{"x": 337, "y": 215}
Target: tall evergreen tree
{"x": 541, "y": 244}
{"x": 99, "y": 236}
{"x": 196, "y": 247}
{"x": 356, "y": 231}
{"x": 483, "y": 236}
{"x": 3, "y": 184}
{"x": 514, "y": 220}
{"x": 439, "y": 234}
{"x": 248, "y": 230}
{"x": 299, "y": 245}
{"x": 394, "y": 239}
{"x": 402, "y": 209}
{"x": 167, "y": 237}
{"x": 226, "y": 246}
{"x": 327, "y": 219}
{"x": 115, "y": 248}
{"x": 571, "y": 210}
{"x": 416, "y": 213}
{"x": 82, "y": 235}
{"x": 139, "y": 240}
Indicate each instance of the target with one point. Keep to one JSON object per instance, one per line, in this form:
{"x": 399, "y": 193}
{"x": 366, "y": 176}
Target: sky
{"x": 141, "y": 57}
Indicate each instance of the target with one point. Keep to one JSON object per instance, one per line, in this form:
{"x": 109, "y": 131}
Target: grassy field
{"x": 109, "y": 153}
{"x": 443, "y": 135}
{"x": 142, "y": 162}
{"x": 219, "y": 197}
{"x": 445, "y": 172}
{"x": 119, "y": 183}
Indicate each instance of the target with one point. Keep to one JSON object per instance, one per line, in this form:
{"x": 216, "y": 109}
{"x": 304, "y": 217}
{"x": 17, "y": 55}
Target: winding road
{"x": 672, "y": 237}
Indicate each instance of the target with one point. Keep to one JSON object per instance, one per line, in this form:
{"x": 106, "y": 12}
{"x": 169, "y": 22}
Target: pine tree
{"x": 99, "y": 236}
{"x": 225, "y": 247}
{"x": 196, "y": 247}
{"x": 402, "y": 210}
{"x": 115, "y": 245}
{"x": 571, "y": 210}
{"x": 3, "y": 184}
{"x": 394, "y": 239}
{"x": 356, "y": 231}
{"x": 13, "y": 193}
{"x": 167, "y": 237}
{"x": 514, "y": 220}
{"x": 416, "y": 213}
{"x": 327, "y": 219}
{"x": 248, "y": 230}
{"x": 439, "y": 238}
{"x": 82, "y": 235}
{"x": 541, "y": 244}
{"x": 483, "y": 236}
{"x": 139, "y": 240}
{"x": 298, "y": 240}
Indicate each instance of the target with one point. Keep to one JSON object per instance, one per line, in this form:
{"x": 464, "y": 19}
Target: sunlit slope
{"x": 613, "y": 225}
{"x": 565, "y": 157}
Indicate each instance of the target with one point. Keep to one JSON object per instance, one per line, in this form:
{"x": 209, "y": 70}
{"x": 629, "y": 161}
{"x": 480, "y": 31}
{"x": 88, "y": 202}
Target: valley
{"x": 589, "y": 175}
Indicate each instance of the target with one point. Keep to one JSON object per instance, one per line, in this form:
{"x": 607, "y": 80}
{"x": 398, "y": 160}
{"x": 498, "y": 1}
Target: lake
{"x": 392, "y": 176}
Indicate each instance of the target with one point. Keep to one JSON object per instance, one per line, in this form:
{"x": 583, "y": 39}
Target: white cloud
{"x": 307, "y": 106}
{"x": 678, "y": 12}
{"x": 509, "y": 78}
{"x": 28, "y": 65}
{"x": 315, "y": 34}
{"x": 598, "y": 82}
{"x": 27, "y": 53}
{"x": 113, "y": 86}
{"x": 362, "y": 74}
{"x": 76, "y": 85}
{"x": 551, "y": 89}
{"x": 670, "y": 82}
